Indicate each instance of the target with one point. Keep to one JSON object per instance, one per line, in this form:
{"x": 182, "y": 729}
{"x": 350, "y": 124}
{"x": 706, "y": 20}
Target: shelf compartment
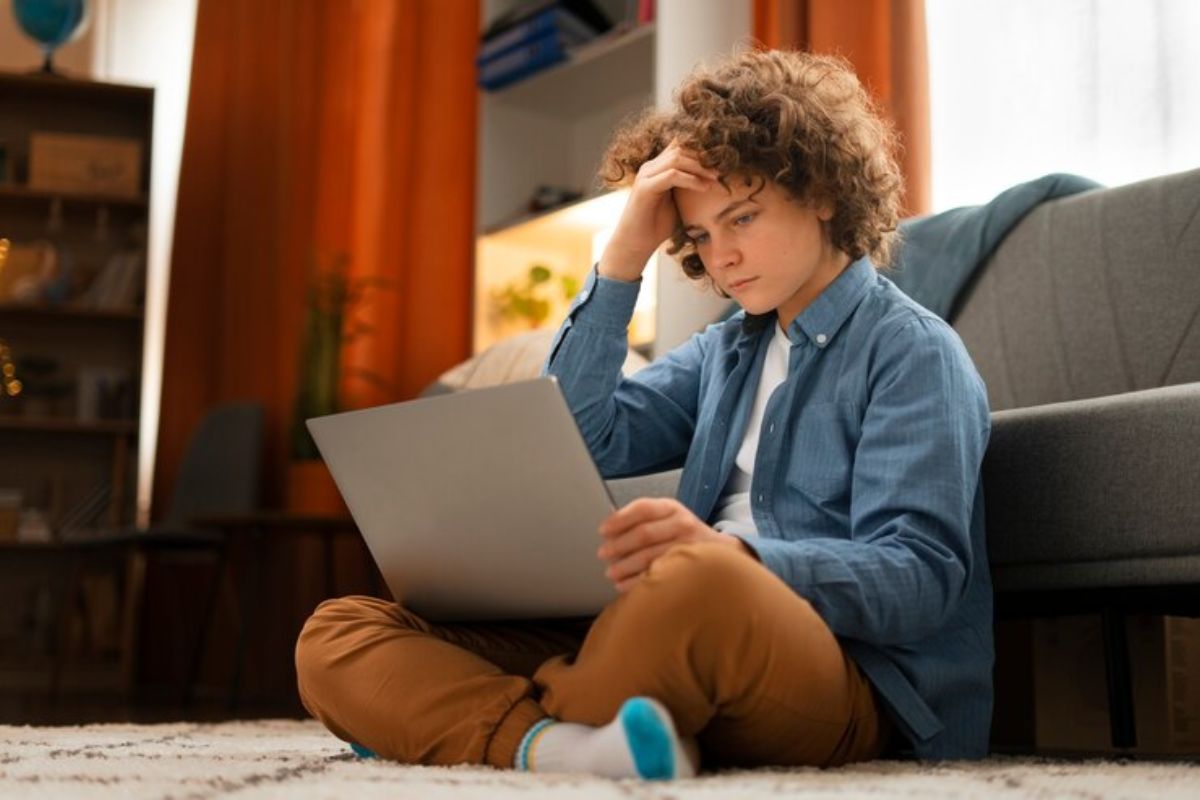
{"x": 568, "y": 240}
{"x": 108, "y": 427}
{"x": 552, "y": 129}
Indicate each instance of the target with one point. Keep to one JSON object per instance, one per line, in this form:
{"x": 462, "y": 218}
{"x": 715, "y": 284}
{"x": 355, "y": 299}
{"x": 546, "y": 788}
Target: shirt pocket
{"x": 822, "y": 450}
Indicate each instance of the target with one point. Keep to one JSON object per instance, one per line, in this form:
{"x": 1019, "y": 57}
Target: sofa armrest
{"x": 1107, "y": 479}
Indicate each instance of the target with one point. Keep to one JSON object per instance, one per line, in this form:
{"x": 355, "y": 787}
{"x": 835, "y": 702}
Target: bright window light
{"x": 1101, "y": 88}
{"x": 150, "y": 44}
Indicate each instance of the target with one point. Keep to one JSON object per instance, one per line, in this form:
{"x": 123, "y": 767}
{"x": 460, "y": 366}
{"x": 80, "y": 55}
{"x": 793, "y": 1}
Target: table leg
{"x": 250, "y": 612}
{"x": 136, "y": 561}
{"x": 327, "y": 543}
{"x": 206, "y": 623}
{"x": 373, "y": 576}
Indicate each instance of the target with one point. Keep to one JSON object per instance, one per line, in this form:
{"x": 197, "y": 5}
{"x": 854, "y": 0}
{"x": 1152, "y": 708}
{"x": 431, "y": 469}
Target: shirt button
{"x": 822, "y": 338}
{"x": 760, "y": 498}
{"x": 771, "y": 428}
{"x": 706, "y": 487}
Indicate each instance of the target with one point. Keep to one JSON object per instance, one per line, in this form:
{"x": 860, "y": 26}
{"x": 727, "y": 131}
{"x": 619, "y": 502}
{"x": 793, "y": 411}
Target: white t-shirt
{"x": 733, "y": 509}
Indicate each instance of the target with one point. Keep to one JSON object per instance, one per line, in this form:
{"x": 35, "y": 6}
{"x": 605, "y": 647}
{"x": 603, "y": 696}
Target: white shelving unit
{"x": 551, "y": 130}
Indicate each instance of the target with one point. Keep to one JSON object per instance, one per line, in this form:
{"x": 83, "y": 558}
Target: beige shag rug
{"x": 284, "y": 758}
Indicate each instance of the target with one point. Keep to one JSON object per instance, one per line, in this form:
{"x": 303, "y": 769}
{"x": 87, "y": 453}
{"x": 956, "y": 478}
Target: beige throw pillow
{"x": 516, "y": 359}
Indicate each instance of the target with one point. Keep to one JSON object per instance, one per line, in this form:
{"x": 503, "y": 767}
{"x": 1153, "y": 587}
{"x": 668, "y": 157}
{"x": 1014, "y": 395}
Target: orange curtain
{"x": 885, "y": 41}
{"x": 316, "y": 128}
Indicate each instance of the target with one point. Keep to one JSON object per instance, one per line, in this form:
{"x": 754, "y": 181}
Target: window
{"x": 1101, "y": 88}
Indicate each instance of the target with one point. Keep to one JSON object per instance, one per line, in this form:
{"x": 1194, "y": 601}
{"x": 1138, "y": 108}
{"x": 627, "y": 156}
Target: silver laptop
{"x": 477, "y": 505}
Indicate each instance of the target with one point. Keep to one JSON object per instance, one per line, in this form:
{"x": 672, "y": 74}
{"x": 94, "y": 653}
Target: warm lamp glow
{"x": 567, "y": 242}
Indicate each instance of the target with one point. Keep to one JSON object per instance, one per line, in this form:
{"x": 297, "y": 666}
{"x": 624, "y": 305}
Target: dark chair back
{"x": 222, "y": 467}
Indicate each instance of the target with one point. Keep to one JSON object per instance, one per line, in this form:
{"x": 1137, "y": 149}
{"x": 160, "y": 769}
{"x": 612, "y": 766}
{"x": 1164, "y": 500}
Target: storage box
{"x": 65, "y": 162}
{"x": 1070, "y": 685}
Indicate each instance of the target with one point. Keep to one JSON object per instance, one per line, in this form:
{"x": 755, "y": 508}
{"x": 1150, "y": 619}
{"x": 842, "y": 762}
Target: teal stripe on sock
{"x": 649, "y": 738}
{"x": 522, "y": 758}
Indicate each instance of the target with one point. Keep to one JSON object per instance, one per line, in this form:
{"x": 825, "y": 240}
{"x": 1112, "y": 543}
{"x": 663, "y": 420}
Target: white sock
{"x": 640, "y": 742}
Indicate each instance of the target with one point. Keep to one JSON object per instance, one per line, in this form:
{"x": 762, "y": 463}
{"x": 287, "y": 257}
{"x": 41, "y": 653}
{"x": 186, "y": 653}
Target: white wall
{"x": 1101, "y": 88}
{"x": 149, "y": 42}
{"x": 690, "y": 33}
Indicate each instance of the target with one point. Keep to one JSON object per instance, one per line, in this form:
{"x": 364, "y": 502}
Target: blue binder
{"x": 570, "y": 28}
{"x": 523, "y": 60}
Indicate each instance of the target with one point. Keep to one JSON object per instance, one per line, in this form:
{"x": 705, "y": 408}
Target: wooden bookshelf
{"x": 73, "y": 359}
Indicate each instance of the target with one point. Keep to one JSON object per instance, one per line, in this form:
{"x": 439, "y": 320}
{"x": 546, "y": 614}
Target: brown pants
{"x": 742, "y": 662}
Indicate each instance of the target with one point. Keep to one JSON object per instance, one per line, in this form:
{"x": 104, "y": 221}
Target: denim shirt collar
{"x": 824, "y": 317}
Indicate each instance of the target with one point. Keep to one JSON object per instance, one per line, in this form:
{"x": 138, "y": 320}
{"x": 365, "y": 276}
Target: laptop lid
{"x": 482, "y": 504}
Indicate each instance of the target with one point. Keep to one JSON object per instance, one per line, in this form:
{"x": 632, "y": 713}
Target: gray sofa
{"x": 1085, "y": 325}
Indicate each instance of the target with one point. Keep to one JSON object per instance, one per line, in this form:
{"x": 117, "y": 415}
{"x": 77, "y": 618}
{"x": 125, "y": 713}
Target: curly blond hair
{"x": 799, "y": 119}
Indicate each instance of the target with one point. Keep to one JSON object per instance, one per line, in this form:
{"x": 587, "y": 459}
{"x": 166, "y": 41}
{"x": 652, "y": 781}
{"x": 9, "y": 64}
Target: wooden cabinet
{"x": 72, "y": 277}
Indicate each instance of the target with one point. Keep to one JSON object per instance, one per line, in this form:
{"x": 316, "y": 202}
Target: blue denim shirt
{"x": 866, "y": 488}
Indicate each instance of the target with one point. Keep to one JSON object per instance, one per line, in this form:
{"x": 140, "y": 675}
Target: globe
{"x": 51, "y": 23}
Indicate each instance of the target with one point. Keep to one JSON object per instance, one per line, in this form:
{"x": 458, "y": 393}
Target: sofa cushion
{"x": 657, "y": 484}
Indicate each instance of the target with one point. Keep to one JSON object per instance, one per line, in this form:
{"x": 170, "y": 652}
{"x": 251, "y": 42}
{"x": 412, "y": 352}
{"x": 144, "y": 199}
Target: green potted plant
{"x": 530, "y": 297}
{"x": 329, "y": 326}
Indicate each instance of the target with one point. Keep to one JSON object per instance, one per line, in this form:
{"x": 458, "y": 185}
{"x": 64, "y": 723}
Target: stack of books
{"x": 538, "y": 36}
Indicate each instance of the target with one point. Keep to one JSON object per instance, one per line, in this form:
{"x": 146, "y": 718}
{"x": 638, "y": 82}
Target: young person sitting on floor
{"x": 818, "y": 593}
